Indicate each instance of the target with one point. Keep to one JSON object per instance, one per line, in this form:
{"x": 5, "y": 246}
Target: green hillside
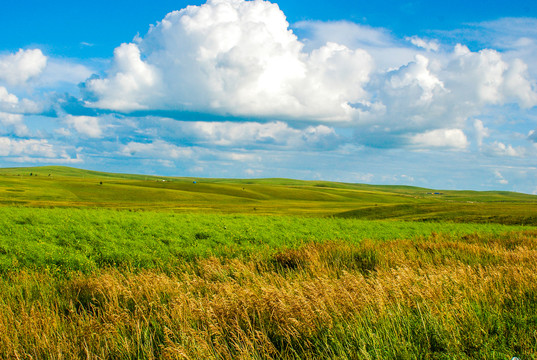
{"x": 58, "y": 186}
{"x": 116, "y": 266}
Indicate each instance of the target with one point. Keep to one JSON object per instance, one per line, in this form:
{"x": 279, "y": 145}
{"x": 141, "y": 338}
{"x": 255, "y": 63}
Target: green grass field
{"x": 141, "y": 268}
{"x": 87, "y": 239}
{"x": 54, "y": 186}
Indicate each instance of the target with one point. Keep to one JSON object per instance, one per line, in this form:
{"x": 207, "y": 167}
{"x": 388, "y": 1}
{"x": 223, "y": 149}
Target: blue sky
{"x": 433, "y": 94}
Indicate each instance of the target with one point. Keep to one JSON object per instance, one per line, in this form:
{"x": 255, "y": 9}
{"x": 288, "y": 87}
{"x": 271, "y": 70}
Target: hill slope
{"x": 60, "y": 186}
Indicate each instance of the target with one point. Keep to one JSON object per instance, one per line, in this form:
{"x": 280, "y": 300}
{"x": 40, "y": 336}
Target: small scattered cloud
{"x": 500, "y": 149}
{"x": 166, "y": 163}
{"x": 253, "y": 134}
{"x": 253, "y": 172}
{"x": 429, "y": 45}
{"x": 14, "y": 123}
{"x": 18, "y": 68}
{"x": 481, "y": 132}
{"x": 12, "y": 147}
{"x": 59, "y": 71}
{"x": 240, "y": 157}
{"x": 441, "y": 138}
{"x": 11, "y": 103}
{"x": 34, "y": 150}
{"x": 407, "y": 178}
{"x": 85, "y": 125}
{"x": 156, "y": 150}
{"x": 508, "y": 34}
{"x": 63, "y": 132}
{"x": 65, "y": 160}
{"x": 7, "y": 98}
{"x": 499, "y": 178}
{"x": 363, "y": 178}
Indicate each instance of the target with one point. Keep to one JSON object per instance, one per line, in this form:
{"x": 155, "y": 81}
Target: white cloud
{"x": 130, "y": 84}
{"x": 15, "y": 123}
{"x": 28, "y": 147}
{"x": 86, "y": 125}
{"x": 63, "y": 71}
{"x": 241, "y": 157}
{"x": 532, "y": 136}
{"x": 158, "y": 150}
{"x": 412, "y": 98}
{"x": 444, "y": 138}
{"x": 62, "y": 132}
{"x": 483, "y": 74}
{"x": 10, "y": 103}
{"x": 481, "y": 132}
{"x": 29, "y": 73}
{"x": 347, "y": 33}
{"x": 16, "y": 69}
{"x": 443, "y": 90}
{"x": 500, "y": 149}
{"x": 500, "y": 178}
{"x": 407, "y": 178}
{"x": 65, "y": 159}
{"x": 253, "y": 172}
{"x": 363, "y": 178}
{"x": 387, "y": 52}
{"x": 240, "y": 58}
{"x": 517, "y": 85}
{"x": 505, "y": 31}
{"x": 415, "y": 77}
{"x": 277, "y": 133}
{"x": 431, "y": 45}
{"x": 515, "y": 37}
{"x": 7, "y": 98}
{"x": 484, "y": 77}
{"x": 233, "y": 57}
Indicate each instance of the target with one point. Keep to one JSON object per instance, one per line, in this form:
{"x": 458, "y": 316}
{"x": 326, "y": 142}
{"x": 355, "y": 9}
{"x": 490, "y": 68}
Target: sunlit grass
{"x": 85, "y": 239}
{"x": 109, "y": 266}
{"x": 440, "y": 296}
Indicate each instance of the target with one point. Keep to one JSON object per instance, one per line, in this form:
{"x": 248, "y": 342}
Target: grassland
{"x": 439, "y": 297}
{"x": 54, "y": 186}
{"x": 140, "y": 268}
{"x": 87, "y": 239}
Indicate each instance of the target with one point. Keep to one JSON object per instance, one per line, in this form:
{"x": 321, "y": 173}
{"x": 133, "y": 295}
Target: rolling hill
{"x": 58, "y": 186}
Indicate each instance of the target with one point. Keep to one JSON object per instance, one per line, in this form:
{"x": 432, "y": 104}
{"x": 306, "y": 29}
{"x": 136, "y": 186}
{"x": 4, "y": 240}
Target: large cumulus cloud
{"x": 240, "y": 58}
{"x": 233, "y": 57}
{"x": 441, "y": 91}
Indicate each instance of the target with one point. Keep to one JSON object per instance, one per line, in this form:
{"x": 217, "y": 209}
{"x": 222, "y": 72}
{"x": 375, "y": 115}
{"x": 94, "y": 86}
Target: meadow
{"x": 140, "y": 268}
{"x": 63, "y": 187}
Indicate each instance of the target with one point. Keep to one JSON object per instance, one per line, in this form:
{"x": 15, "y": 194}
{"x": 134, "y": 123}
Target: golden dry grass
{"x": 435, "y": 297}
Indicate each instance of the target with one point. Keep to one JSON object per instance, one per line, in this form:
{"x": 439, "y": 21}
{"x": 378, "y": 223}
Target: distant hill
{"x": 59, "y": 186}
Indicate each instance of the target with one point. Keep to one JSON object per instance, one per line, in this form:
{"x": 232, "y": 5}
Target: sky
{"x": 425, "y": 93}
